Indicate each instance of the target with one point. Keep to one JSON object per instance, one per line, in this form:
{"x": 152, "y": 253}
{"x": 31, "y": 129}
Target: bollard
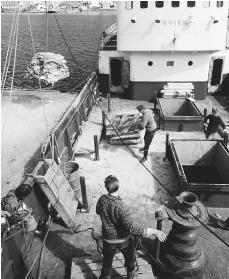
{"x": 166, "y": 146}
{"x": 84, "y": 193}
{"x": 109, "y": 102}
{"x": 96, "y": 144}
{"x": 104, "y": 130}
{"x": 205, "y": 117}
{"x": 181, "y": 128}
{"x": 225, "y": 138}
{"x": 205, "y": 113}
{"x": 159, "y": 217}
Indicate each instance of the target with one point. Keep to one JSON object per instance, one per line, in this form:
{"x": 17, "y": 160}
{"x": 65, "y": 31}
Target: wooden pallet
{"x": 124, "y": 124}
{"x": 90, "y": 267}
{"x": 58, "y": 190}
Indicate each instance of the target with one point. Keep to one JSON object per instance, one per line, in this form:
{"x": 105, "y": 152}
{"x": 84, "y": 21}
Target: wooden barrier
{"x": 62, "y": 139}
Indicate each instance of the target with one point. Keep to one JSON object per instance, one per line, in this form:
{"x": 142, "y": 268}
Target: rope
{"x": 8, "y": 49}
{"x": 11, "y": 49}
{"x": 68, "y": 46}
{"x": 160, "y": 183}
{"x": 38, "y": 254}
{"x": 47, "y": 32}
{"x": 15, "y": 56}
{"x": 31, "y": 33}
{"x": 42, "y": 99}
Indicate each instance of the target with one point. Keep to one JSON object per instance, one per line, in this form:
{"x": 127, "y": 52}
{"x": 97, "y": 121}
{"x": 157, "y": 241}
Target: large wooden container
{"x": 179, "y": 115}
{"x": 203, "y": 168}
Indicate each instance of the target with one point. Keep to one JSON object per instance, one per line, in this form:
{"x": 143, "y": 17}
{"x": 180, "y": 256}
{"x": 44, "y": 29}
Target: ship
{"x": 177, "y": 50}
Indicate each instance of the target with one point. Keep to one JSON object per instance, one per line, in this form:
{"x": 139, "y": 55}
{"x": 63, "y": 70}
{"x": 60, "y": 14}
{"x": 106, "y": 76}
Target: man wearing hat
{"x": 119, "y": 230}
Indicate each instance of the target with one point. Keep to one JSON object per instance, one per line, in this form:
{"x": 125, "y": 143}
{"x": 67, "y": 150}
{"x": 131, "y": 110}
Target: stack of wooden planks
{"x": 177, "y": 90}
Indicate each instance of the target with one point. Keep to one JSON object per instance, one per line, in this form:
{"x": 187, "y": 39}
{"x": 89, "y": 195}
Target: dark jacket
{"x": 116, "y": 219}
{"x": 214, "y": 122}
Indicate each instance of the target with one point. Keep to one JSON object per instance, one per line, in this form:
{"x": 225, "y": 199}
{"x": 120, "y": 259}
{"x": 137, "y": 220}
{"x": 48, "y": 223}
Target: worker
{"x": 212, "y": 123}
{"x": 148, "y": 123}
{"x": 118, "y": 230}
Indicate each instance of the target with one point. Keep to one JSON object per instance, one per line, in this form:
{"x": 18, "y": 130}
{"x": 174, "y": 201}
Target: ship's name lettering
{"x": 174, "y": 22}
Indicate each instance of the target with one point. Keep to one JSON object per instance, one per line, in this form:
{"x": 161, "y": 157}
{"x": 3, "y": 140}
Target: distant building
{"x": 9, "y": 5}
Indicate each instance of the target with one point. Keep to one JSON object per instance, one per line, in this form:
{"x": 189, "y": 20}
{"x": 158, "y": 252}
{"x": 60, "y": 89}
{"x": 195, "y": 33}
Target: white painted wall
{"x": 173, "y": 32}
{"x": 140, "y": 71}
{"x": 104, "y": 60}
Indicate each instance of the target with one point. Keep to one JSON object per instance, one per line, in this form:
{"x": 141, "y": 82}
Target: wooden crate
{"x": 58, "y": 190}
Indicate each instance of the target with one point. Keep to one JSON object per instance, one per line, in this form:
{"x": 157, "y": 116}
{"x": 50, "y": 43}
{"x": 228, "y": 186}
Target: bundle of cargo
{"x": 49, "y": 67}
{"x": 177, "y": 90}
{"x": 123, "y": 129}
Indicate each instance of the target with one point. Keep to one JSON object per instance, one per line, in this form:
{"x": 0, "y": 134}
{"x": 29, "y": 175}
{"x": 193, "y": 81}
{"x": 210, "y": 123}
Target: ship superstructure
{"x": 164, "y": 41}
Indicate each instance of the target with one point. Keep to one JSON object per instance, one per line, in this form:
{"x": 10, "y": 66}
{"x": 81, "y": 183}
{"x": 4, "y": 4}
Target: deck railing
{"x": 60, "y": 143}
{"x": 107, "y": 35}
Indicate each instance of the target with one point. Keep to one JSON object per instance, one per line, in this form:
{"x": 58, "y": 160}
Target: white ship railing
{"x": 107, "y": 34}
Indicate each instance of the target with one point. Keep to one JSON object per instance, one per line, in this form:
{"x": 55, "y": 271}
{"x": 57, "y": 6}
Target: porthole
{"x": 170, "y": 63}
{"x": 150, "y": 63}
{"x": 190, "y": 63}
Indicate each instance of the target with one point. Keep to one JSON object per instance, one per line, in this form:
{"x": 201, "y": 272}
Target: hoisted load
{"x": 48, "y": 66}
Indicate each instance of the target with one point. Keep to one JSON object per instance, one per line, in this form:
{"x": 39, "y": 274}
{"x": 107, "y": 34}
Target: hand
{"x": 159, "y": 234}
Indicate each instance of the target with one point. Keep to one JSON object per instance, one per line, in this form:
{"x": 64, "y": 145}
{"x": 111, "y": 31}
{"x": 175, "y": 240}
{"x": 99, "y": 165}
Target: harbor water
{"x": 81, "y": 31}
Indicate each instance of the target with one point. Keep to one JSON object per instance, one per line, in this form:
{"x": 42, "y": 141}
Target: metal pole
{"x": 205, "y": 113}
{"x": 26, "y": 248}
{"x": 109, "y": 102}
{"x": 166, "y": 146}
{"x": 225, "y": 138}
{"x": 159, "y": 218}
{"x": 96, "y": 144}
{"x": 104, "y": 124}
{"x": 84, "y": 192}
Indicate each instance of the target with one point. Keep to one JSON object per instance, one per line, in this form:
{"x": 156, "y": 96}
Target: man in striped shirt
{"x": 119, "y": 230}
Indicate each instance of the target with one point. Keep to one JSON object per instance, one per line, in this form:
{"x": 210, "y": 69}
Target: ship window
{"x": 170, "y": 63}
{"x": 143, "y": 4}
{"x": 175, "y": 4}
{"x": 159, "y": 4}
{"x": 129, "y": 5}
{"x": 150, "y": 63}
{"x": 219, "y": 4}
{"x": 206, "y": 4}
{"x": 190, "y": 63}
{"x": 191, "y": 4}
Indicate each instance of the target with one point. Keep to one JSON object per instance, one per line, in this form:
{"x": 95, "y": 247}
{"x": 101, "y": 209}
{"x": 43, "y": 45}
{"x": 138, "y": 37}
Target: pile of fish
{"x": 49, "y": 67}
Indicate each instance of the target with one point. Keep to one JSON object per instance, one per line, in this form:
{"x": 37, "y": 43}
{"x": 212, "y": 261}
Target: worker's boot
{"x": 143, "y": 160}
{"x": 132, "y": 275}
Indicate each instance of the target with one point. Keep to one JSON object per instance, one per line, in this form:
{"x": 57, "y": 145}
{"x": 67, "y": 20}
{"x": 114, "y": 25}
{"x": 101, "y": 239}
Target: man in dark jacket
{"x": 118, "y": 229}
{"x": 212, "y": 122}
{"x": 150, "y": 125}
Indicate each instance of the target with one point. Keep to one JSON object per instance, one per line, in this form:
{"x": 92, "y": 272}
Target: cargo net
{"x": 48, "y": 67}
{"x": 124, "y": 129}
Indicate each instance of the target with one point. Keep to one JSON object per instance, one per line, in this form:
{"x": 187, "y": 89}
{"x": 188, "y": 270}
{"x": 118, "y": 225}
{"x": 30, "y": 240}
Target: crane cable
{"x": 11, "y": 50}
{"x": 8, "y": 50}
{"x": 62, "y": 34}
{"x": 160, "y": 183}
